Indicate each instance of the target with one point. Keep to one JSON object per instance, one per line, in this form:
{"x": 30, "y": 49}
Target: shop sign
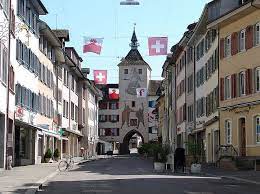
{"x": 19, "y": 113}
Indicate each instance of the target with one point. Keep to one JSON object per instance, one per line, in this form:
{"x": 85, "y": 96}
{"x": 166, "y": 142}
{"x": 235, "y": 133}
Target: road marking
{"x": 190, "y": 192}
{"x": 97, "y": 191}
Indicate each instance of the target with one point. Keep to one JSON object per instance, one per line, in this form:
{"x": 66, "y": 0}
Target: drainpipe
{"x": 9, "y": 157}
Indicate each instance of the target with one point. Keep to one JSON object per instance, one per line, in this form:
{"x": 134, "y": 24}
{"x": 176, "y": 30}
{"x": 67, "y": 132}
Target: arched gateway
{"x": 134, "y": 73}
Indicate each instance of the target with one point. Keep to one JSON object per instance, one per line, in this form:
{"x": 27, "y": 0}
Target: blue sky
{"x": 107, "y": 19}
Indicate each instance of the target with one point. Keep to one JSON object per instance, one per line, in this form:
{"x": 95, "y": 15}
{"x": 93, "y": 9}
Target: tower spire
{"x": 134, "y": 42}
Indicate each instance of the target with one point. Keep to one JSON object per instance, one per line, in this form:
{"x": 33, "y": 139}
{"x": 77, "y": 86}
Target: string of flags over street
{"x": 157, "y": 46}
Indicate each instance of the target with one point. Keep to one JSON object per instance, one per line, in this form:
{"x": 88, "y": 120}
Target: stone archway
{"x": 124, "y": 147}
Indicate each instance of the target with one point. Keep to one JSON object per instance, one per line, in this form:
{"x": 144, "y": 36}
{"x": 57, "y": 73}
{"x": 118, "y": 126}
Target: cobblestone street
{"x": 134, "y": 175}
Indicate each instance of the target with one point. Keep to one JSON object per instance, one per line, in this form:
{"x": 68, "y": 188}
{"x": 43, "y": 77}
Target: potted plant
{"x": 56, "y": 154}
{"x": 48, "y": 155}
{"x": 160, "y": 154}
{"x": 194, "y": 150}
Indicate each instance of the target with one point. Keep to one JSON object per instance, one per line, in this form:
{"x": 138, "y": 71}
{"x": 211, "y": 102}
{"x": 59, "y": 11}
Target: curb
{"x": 38, "y": 184}
{"x": 235, "y": 178}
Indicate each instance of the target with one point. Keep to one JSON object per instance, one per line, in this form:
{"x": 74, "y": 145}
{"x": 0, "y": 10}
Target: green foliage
{"x": 56, "y": 153}
{"x": 48, "y": 154}
{"x": 160, "y": 153}
{"x": 157, "y": 151}
{"x": 195, "y": 149}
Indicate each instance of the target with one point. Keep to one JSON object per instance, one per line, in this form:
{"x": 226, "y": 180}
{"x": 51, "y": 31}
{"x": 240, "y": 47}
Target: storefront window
{"x": 24, "y": 143}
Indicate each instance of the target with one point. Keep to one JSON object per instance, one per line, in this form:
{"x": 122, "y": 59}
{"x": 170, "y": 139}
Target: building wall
{"x": 234, "y": 64}
{"x": 152, "y": 121}
{"x": 125, "y": 82}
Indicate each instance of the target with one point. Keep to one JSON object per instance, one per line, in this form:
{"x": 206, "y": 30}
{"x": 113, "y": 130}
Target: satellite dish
{"x": 129, "y": 2}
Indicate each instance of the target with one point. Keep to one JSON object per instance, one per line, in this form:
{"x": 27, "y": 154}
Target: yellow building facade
{"x": 239, "y": 79}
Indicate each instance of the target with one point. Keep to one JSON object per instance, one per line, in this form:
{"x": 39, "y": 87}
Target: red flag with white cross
{"x": 158, "y": 46}
{"x": 100, "y": 76}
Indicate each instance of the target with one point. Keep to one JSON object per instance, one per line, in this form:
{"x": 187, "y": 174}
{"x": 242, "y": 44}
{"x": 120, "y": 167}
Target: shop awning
{"x": 73, "y": 132}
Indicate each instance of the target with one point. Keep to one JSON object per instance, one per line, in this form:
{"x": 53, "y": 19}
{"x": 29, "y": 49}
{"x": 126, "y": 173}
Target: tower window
{"x": 125, "y": 71}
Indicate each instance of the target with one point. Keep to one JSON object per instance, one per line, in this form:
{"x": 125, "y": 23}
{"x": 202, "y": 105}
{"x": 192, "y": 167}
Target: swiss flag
{"x": 100, "y": 76}
{"x": 158, "y": 45}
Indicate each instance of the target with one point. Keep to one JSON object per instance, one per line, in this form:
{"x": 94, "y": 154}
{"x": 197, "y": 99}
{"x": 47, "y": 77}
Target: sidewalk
{"x": 241, "y": 175}
{"x": 20, "y": 179}
{"x": 27, "y": 179}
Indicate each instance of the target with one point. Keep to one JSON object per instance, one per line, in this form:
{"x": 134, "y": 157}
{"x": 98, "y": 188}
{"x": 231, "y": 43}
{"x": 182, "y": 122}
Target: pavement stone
{"x": 28, "y": 179}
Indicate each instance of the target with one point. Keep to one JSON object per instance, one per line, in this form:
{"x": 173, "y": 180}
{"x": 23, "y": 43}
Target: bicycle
{"x": 66, "y": 165}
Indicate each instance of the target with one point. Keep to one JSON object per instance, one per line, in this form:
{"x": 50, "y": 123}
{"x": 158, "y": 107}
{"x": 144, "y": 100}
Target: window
{"x": 72, "y": 84}
{"x": 11, "y": 78}
{"x": 190, "y": 113}
{"x": 228, "y": 131}
{"x": 257, "y": 79}
{"x": 64, "y": 76}
{"x": 133, "y": 122}
{"x": 227, "y": 87}
{"x": 190, "y": 54}
{"x": 190, "y": 83}
{"x": 72, "y": 110}
{"x": 103, "y": 105}
{"x": 200, "y": 107}
{"x": 257, "y": 129}
{"x": 125, "y": 71}
{"x": 4, "y": 66}
{"x": 67, "y": 110}
{"x": 113, "y": 106}
{"x": 102, "y": 118}
{"x": 153, "y": 130}
{"x": 84, "y": 115}
{"x": 257, "y": 34}
{"x": 140, "y": 71}
{"x": 227, "y": 46}
{"x": 242, "y": 40}
{"x": 77, "y": 114}
{"x": 101, "y": 132}
{"x": 115, "y": 132}
{"x": 152, "y": 104}
{"x": 242, "y": 84}
{"x": 133, "y": 103}
{"x": 114, "y": 118}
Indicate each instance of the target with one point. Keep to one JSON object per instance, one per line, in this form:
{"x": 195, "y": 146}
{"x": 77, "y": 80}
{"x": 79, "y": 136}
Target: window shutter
{"x": 234, "y": 43}
{"x": 117, "y": 117}
{"x": 234, "y": 86}
{"x": 249, "y": 37}
{"x": 221, "y": 89}
{"x": 248, "y": 81}
{"x": 184, "y": 112}
{"x": 222, "y": 41}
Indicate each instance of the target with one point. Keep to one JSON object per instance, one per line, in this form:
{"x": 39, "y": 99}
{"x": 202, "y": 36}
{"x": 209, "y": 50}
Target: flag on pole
{"x": 93, "y": 45}
{"x": 113, "y": 93}
{"x": 100, "y": 76}
{"x": 158, "y": 45}
{"x": 141, "y": 92}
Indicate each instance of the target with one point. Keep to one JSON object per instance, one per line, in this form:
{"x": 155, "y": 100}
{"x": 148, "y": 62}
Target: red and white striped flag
{"x": 93, "y": 45}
